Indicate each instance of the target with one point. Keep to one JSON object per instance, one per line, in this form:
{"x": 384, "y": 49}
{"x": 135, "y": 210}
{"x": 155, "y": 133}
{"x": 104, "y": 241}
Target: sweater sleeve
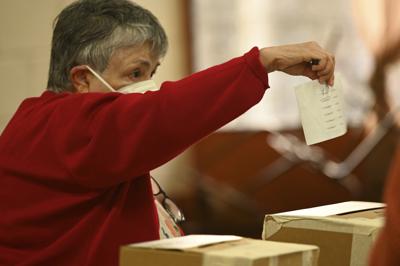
{"x": 114, "y": 137}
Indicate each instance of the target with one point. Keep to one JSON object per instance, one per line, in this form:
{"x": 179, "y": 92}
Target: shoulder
{"x": 49, "y": 98}
{"x": 65, "y": 104}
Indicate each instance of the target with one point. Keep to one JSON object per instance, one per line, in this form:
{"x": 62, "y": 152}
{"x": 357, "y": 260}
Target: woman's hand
{"x": 295, "y": 59}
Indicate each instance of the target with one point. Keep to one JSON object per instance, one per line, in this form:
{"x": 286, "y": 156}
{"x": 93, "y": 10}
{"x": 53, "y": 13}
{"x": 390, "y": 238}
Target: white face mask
{"x": 139, "y": 87}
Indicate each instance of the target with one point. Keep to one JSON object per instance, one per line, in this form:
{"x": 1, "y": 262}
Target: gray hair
{"x": 90, "y": 31}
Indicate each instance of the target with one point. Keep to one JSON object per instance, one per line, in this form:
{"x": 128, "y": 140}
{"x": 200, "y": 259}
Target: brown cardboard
{"x": 243, "y": 252}
{"x": 343, "y": 238}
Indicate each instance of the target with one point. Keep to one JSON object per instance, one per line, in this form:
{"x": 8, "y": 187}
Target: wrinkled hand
{"x": 295, "y": 60}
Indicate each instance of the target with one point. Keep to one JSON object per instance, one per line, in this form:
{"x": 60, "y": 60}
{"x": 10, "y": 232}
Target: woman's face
{"x": 126, "y": 66}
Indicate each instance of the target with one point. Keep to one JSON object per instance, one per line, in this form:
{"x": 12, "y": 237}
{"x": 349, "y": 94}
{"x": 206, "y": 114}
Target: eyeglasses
{"x": 172, "y": 209}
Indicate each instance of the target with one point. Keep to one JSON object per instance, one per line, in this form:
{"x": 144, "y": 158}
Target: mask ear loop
{"x": 100, "y": 78}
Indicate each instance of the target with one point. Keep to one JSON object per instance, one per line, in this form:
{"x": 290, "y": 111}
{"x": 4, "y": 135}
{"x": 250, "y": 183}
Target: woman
{"x": 75, "y": 162}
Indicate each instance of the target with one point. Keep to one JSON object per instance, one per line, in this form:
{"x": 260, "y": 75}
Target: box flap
{"x": 186, "y": 242}
{"x": 231, "y": 251}
{"x": 335, "y": 209}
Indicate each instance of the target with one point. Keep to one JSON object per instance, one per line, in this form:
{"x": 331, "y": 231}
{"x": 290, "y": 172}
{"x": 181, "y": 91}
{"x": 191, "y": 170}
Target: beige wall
{"x": 25, "y": 27}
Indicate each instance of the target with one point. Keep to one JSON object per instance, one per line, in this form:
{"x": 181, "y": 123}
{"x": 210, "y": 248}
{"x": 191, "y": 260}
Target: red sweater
{"x": 387, "y": 248}
{"x": 74, "y": 168}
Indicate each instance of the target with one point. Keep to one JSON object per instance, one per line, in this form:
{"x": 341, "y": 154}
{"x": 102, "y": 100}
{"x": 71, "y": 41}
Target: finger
{"x": 329, "y": 67}
{"x": 322, "y": 64}
{"x": 331, "y": 72}
{"x": 327, "y": 70}
{"x": 324, "y": 76}
{"x": 331, "y": 80}
{"x": 324, "y": 79}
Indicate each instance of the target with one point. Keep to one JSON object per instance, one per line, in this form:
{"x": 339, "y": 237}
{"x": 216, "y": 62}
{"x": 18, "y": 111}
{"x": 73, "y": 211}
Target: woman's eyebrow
{"x": 143, "y": 62}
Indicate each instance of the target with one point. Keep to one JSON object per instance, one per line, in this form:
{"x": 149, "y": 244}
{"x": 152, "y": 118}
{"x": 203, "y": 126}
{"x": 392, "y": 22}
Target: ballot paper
{"x": 187, "y": 242}
{"x": 334, "y": 209}
{"x": 321, "y": 111}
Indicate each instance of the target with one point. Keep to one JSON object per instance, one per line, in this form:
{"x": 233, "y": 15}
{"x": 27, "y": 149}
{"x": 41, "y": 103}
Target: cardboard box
{"x": 211, "y": 250}
{"x": 344, "y": 232}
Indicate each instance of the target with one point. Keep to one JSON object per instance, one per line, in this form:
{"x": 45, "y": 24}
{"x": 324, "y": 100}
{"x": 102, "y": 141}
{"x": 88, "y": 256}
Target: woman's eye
{"x": 136, "y": 74}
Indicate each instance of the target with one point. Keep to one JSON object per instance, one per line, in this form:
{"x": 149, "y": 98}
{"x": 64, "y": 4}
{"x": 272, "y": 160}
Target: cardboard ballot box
{"x": 344, "y": 232}
{"x": 212, "y": 250}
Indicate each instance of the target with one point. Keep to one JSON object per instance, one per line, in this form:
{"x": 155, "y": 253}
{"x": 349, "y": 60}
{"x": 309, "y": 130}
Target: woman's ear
{"x": 79, "y": 76}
